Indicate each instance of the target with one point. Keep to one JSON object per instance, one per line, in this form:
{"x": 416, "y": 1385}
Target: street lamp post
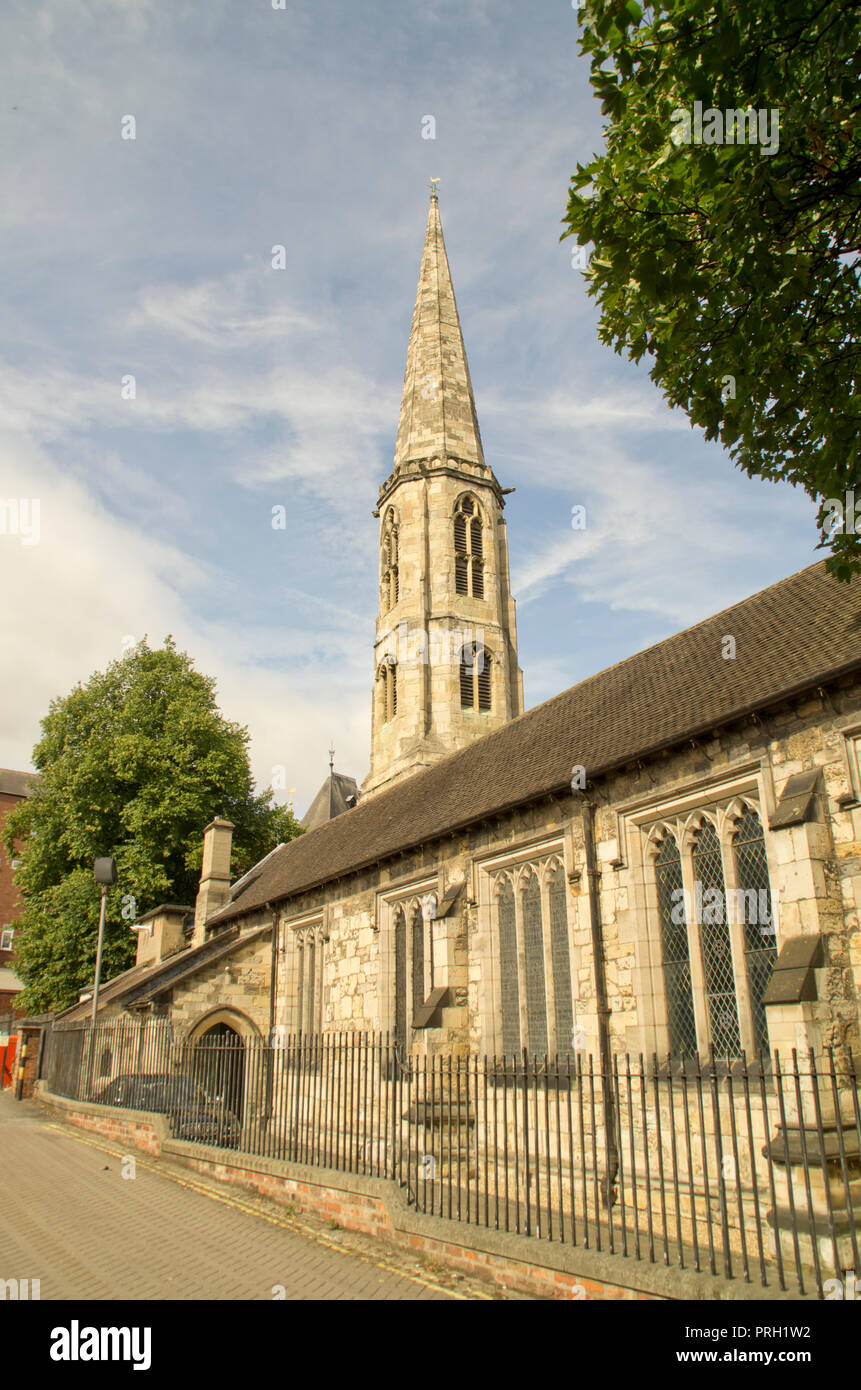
{"x": 105, "y": 874}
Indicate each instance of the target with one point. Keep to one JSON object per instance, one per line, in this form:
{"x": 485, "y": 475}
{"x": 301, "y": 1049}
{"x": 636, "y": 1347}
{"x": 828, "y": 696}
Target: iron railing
{"x": 742, "y": 1170}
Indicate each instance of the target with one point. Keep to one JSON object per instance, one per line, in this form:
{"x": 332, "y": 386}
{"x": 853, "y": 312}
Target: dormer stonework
{"x": 161, "y": 933}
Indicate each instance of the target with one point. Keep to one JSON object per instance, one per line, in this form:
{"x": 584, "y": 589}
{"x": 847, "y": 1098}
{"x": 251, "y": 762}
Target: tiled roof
{"x": 331, "y": 800}
{"x": 790, "y": 637}
{"x": 17, "y": 783}
{"x": 143, "y": 982}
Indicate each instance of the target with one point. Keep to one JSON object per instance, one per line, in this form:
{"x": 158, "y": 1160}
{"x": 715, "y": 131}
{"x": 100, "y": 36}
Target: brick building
{"x": 14, "y": 787}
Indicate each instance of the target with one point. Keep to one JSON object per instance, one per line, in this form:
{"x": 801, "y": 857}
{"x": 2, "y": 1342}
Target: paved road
{"x": 70, "y": 1219}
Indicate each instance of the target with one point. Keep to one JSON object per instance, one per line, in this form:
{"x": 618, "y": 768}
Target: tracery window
{"x": 533, "y": 948}
{"x": 468, "y": 548}
{"x": 475, "y": 681}
{"x": 412, "y": 961}
{"x": 715, "y": 942}
{"x": 717, "y": 930}
{"x": 674, "y": 941}
{"x": 307, "y": 970}
{"x": 760, "y": 947}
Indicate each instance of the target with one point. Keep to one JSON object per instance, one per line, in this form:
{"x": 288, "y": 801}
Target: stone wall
{"x": 814, "y": 868}
{"x": 234, "y": 990}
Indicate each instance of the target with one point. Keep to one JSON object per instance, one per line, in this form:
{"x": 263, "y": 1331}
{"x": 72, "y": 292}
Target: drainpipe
{"x": 269, "y": 1042}
{"x": 269, "y": 908}
{"x": 608, "y": 1193}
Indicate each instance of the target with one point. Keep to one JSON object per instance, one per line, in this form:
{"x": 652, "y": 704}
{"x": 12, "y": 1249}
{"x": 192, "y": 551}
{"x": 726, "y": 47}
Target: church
{"x": 665, "y": 858}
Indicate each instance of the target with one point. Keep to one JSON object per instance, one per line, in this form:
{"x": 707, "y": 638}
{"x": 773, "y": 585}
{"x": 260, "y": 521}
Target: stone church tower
{"x": 445, "y": 654}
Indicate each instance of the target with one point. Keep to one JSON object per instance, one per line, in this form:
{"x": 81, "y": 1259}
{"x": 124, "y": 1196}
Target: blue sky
{"x": 257, "y": 387}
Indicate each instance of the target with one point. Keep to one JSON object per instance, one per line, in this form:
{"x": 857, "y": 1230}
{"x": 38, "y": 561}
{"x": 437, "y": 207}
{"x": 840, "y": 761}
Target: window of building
{"x": 308, "y": 961}
{"x": 389, "y": 562}
{"x": 674, "y": 942}
{"x": 530, "y": 917}
{"x": 852, "y": 752}
{"x": 387, "y": 677}
{"x": 715, "y": 942}
{"x": 717, "y": 931}
{"x": 475, "y": 680}
{"x": 760, "y": 946}
{"x": 468, "y": 548}
{"x": 7, "y": 936}
{"x": 412, "y": 961}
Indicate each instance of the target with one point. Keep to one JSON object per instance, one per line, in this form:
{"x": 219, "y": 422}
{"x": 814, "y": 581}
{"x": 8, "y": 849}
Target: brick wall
{"x": 10, "y": 901}
{"x": 541, "y": 1269}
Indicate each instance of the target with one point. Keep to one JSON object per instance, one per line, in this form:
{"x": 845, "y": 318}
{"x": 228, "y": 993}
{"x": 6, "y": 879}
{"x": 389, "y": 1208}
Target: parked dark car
{"x": 192, "y": 1114}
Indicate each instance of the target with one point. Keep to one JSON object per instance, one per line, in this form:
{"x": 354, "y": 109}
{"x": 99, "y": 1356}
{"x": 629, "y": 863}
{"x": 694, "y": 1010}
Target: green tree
{"x": 134, "y": 764}
{"x": 735, "y": 265}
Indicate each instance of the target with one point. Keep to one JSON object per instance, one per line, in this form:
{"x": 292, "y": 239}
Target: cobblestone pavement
{"x": 70, "y": 1219}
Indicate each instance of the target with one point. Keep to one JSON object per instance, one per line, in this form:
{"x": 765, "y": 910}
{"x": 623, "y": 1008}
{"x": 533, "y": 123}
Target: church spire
{"x": 445, "y": 653}
{"x": 438, "y": 418}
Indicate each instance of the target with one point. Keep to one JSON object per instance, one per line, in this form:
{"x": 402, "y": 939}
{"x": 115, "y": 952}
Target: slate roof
{"x": 331, "y": 800}
{"x": 17, "y": 783}
{"x": 790, "y": 637}
{"x": 143, "y": 982}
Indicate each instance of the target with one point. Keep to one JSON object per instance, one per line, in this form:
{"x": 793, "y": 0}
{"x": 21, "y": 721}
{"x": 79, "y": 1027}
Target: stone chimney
{"x": 161, "y": 934}
{"x": 214, "y": 888}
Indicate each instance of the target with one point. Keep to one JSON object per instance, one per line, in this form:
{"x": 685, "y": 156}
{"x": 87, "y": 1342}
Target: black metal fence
{"x": 748, "y": 1171}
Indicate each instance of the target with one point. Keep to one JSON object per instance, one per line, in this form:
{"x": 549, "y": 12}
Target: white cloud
{"x": 93, "y": 581}
{"x": 232, "y": 312}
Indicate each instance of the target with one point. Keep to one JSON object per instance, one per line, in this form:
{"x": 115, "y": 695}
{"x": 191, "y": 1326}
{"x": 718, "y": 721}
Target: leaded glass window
{"x": 400, "y": 925}
{"x": 674, "y": 944}
{"x": 710, "y": 890}
{"x": 534, "y": 961}
{"x": 760, "y": 950}
{"x": 561, "y": 961}
{"x": 508, "y": 973}
{"x": 418, "y": 925}
{"x": 533, "y": 946}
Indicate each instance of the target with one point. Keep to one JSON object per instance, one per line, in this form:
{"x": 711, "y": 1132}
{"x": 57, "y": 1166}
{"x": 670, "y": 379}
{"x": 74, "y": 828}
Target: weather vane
{"x": 433, "y": 188}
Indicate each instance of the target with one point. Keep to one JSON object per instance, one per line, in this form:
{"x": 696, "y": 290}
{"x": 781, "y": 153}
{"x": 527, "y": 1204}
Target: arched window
{"x": 388, "y": 678}
{"x": 389, "y": 561}
{"x": 510, "y": 991}
{"x": 533, "y": 943}
{"x": 418, "y": 958}
{"x": 475, "y": 686}
{"x": 560, "y": 959}
{"x": 674, "y": 943}
{"x": 760, "y": 949}
{"x": 400, "y": 925}
{"x": 710, "y": 889}
{"x": 468, "y": 549}
{"x": 533, "y": 948}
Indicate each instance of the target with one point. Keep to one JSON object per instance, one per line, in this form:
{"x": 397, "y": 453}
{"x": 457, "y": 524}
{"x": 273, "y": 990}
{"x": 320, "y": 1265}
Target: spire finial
{"x": 434, "y": 190}
{"x": 331, "y": 759}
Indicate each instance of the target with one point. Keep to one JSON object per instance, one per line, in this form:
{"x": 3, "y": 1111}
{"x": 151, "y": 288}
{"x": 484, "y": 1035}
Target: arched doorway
{"x": 219, "y": 1066}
